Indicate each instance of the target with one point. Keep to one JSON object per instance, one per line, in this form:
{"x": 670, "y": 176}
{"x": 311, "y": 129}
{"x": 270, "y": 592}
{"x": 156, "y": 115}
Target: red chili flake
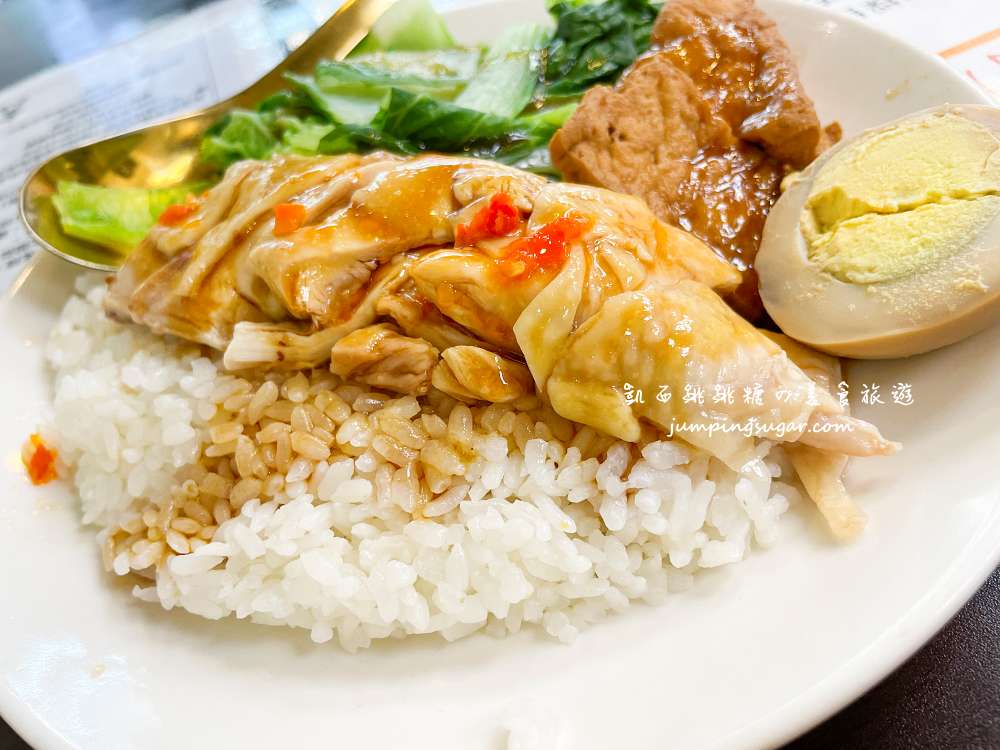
{"x": 39, "y": 460}
{"x": 288, "y": 217}
{"x": 545, "y": 249}
{"x": 498, "y": 218}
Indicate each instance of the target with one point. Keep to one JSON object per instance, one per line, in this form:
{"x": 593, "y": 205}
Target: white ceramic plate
{"x": 752, "y": 656}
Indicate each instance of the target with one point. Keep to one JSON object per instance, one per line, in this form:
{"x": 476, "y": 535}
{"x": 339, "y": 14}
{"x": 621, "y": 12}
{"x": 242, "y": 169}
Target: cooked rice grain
{"x": 300, "y": 500}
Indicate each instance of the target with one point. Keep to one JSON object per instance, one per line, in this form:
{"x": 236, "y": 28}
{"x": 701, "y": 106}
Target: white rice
{"x": 516, "y": 524}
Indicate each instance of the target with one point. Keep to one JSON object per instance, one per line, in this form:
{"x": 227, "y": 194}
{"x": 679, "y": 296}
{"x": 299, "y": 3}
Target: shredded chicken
{"x": 296, "y": 345}
{"x": 417, "y": 317}
{"x": 381, "y": 356}
{"x": 470, "y": 374}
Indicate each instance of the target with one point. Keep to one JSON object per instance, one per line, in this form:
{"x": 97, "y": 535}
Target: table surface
{"x": 946, "y": 696}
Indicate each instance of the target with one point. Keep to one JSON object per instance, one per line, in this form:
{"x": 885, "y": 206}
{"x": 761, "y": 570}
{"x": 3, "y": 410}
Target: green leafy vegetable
{"x": 548, "y": 120}
{"x": 527, "y": 155}
{"x": 595, "y": 42}
{"x": 409, "y": 25}
{"x": 338, "y": 106}
{"x": 238, "y": 135}
{"x": 303, "y": 136}
{"x": 342, "y": 139}
{"x": 530, "y": 151}
{"x": 413, "y": 90}
{"x": 509, "y": 75}
{"x": 437, "y": 125}
{"x": 287, "y": 101}
{"x": 352, "y": 92}
{"x": 114, "y": 217}
{"x": 409, "y": 123}
{"x": 442, "y": 73}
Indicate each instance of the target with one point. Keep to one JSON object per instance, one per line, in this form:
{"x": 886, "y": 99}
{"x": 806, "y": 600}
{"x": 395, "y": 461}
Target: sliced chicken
{"x": 625, "y": 245}
{"x": 821, "y": 474}
{"x": 470, "y": 373}
{"x": 143, "y": 291}
{"x": 194, "y": 279}
{"x": 463, "y": 285}
{"x": 419, "y": 318}
{"x": 628, "y": 246}
{"x": 223, "y": 272}
{"x": 299, "y": 345}
{"x": 682, "y": 341}
{"x": 272, "y": 182}
{"x": 217, "y": 204}
{"x": 382, "y": 357}
{"x": 821, "y": 471}
{"x": 474, "y": 182}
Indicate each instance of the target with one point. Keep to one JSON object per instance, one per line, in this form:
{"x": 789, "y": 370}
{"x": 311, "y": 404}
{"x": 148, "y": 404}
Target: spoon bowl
{"x": 165, "y": 154}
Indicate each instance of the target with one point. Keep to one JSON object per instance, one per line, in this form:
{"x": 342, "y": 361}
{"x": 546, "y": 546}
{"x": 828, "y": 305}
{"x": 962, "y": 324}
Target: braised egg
{"x": 888, "y": 244}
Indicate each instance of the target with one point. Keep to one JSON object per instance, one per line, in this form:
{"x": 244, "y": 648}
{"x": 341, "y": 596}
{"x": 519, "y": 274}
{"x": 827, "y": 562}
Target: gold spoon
{"x": 166, "y": 154}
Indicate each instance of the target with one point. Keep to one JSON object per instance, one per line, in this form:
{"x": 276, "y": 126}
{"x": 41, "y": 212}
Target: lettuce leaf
{"x": 240, "y": 134}
{"x": 509, "y": 74}
{"x": 118, "y": 218}
{"x": 437, "y": 125}
{"x": 412, "y": 123}
{"x": 408, "y": 25}
{"x": 347, "y": 138}
{"x": 338, "y": 106}
{"x": 303, "y": 136}
{"x": 442, "y": 73}
{"x": 426, "y": 94}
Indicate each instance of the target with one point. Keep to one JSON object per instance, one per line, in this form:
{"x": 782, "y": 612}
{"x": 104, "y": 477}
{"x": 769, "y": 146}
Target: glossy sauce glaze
{"x": 744, "y": 71}
{"x": 724, "y": 63}
{"x": 408, "y": 202}
{"x": 729, "y": 191}
{"x": 724, "y": 202}
{"x": 745, "y": 74}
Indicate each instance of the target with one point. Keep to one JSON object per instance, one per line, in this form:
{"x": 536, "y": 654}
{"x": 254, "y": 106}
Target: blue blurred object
{"x": 37, "y": 34}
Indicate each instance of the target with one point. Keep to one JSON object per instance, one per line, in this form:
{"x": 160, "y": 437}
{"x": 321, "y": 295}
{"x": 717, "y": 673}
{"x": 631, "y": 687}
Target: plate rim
{"x": 852, "y": 678}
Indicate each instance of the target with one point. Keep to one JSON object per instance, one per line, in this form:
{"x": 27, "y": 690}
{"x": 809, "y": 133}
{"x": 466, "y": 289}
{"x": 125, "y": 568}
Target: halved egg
{"x": 889, "y": 243}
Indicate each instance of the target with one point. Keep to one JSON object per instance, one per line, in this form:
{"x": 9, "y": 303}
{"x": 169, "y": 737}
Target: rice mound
{"x": 297, "y": 499}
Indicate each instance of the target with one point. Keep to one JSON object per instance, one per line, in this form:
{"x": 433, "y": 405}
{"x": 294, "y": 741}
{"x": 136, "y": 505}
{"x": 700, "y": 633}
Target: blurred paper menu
{"x": 979, "y": 58}
{"x": 186, "y": 64}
